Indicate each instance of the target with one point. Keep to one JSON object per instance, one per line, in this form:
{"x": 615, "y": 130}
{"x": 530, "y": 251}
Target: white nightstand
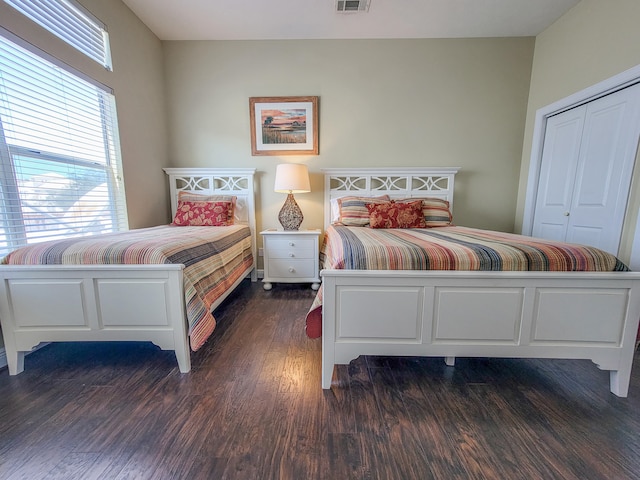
{"x": 291, "y": 256}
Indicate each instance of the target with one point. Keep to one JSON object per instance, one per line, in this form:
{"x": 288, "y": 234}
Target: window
{"x": 72, "y": 23}
{"x": 60, "y": 168}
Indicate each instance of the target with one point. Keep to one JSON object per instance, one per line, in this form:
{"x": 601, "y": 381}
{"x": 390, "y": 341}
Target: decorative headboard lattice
{"x": 395, "y": 182}
{"x": 215, "y": 181}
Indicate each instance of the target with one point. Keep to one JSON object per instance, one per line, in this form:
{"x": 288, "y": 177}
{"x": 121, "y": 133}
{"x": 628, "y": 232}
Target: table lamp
{"x": 291, "y": 178}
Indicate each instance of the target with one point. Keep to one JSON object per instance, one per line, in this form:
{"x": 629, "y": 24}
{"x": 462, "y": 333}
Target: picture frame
{"x": 284, "y": 125}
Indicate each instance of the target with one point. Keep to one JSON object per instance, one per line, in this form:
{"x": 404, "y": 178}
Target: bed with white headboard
{"x": 517, "y": 314}
{"x": 116, "y": 302}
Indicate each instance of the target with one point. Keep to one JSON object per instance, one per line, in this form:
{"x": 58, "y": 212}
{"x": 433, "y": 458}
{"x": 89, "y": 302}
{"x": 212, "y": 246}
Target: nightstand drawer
{"x": 291, "y": 268}
{"x": 292, "y": 247}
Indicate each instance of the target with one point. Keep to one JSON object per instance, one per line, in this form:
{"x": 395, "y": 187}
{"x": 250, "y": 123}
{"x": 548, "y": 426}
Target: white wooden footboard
{"x": 92, "y": 303}
{"x": 573, "y": 315}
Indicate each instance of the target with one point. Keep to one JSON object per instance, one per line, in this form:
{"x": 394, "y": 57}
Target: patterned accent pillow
{"x": 436, "y": 211}
{"x": 203, "y": 214}
{"x": 353, "y": 210}
{"x": 396, "y": 215}
{"x": 199, "y": 197}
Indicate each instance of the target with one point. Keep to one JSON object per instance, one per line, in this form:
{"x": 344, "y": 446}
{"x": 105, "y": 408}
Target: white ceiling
{"x": 317, "y": 19}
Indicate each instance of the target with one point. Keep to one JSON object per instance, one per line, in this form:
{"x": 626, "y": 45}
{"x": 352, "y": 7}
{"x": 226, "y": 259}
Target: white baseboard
{"x": 260, "y": 273}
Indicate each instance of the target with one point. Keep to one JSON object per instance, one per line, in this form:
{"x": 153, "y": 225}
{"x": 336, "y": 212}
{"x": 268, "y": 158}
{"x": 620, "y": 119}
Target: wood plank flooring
{"x": 252, "y": 408}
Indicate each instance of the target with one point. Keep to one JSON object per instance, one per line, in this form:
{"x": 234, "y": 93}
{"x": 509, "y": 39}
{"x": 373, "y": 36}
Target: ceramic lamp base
{"x": 290, "y": 215}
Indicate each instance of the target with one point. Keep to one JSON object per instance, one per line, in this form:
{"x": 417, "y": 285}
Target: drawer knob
{"x": 292, "y": 255}
{"x": 291, "y": 244}
{"x": 291, "y": 269}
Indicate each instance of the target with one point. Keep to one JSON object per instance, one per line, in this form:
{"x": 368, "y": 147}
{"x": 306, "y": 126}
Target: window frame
{"x": 17, "y": 231}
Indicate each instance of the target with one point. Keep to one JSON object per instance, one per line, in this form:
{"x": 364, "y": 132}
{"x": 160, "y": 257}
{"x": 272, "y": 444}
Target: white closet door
{"x": 587, "y": 162}
{"x": 603, "y": 179}
{"x": 560, "y": 154}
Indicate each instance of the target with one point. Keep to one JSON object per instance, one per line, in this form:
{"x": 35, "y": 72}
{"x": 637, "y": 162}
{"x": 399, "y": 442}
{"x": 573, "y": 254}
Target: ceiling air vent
{"x": 352, "y": 6}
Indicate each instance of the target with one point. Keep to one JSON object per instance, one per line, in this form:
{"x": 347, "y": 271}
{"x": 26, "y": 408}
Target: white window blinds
{"x": 72, "y": 23}
{"x": 60, "y": 168}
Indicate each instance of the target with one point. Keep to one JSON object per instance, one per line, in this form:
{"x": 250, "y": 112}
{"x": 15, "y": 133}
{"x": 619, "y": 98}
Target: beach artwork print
{"x": 284, "y": 125}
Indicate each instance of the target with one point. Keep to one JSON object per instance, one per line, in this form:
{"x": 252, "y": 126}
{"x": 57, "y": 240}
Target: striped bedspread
{"x": 214, "y": 258}
{"x": 449, "y": 248}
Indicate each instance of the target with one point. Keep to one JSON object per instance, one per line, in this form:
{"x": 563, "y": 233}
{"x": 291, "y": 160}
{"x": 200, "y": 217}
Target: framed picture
{"x": 284, "y": 125}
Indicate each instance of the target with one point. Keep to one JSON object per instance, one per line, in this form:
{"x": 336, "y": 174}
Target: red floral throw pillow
{"x": 435, "y": 210}
{"x": 396, "y": 215}
{"x": 203, "y": 214}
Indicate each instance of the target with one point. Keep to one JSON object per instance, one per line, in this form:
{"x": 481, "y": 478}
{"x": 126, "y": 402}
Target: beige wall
{"x": 138, "y": 82}
{"x": 453, "y": 102}
{"x": 591, "y": 43}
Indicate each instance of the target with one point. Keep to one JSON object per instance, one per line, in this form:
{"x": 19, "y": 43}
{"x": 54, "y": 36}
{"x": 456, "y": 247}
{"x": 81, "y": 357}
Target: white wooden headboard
{"x": 396, "y": 182}
{"x": 219, "y": 181}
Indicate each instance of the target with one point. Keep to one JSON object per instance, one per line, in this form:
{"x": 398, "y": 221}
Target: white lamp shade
{"x": 292, "y": 178}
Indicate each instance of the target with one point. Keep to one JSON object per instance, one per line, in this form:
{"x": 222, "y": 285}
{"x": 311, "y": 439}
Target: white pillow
{"x": 335, "y": 210}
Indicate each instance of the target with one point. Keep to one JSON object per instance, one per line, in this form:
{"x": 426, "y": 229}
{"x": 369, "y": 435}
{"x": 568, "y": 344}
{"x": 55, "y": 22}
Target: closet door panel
{"x": 560, "y": 154}
{"x": 605, "y": 165}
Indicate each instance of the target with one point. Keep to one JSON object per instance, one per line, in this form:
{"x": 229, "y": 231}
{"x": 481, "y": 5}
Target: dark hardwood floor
{"x": 252, "y": 408}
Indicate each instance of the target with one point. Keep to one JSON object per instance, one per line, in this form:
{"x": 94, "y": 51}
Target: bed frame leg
{"x": 184, "y": 361}
{"x": 450, "y": 361}
{"x": 619, "y": 381}
{"x": 327, "y": 374}
{"x": 15, "y": 360}
{"x": 181, "y": 348}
